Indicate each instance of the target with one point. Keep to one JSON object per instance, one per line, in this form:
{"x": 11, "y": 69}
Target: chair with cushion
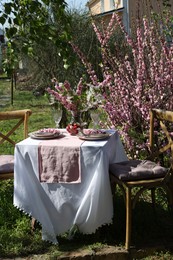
{"x": 136, "y": 176}
{"x": 10, "y": 122}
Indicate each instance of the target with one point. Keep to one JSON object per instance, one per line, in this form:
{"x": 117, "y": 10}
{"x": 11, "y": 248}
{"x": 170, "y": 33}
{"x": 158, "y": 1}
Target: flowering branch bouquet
{"x": 76, "y": 100}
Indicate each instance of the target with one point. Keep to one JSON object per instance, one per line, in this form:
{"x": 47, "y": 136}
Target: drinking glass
{"x": 95, "y": 116}
{"x": 57, "y": 114}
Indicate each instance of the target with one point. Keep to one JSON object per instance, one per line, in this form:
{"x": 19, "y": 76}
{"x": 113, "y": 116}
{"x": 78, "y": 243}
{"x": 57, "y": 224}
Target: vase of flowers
{"x": 75, "y": 123}
{"x": 76, "y": 117}
{"x": 78, "y": 100}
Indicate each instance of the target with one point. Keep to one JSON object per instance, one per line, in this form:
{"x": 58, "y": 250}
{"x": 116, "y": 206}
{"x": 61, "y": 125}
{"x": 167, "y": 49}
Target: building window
{"x": 102, "y": 6}
{"x": 112, "y": 4}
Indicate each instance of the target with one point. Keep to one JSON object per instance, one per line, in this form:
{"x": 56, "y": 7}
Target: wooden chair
{"x": 147, "y": 174}
{"x": 10, "y": 122}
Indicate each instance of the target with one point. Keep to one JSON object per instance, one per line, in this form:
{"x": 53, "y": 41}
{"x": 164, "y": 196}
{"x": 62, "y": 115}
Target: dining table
{"x": 63, "y": 183}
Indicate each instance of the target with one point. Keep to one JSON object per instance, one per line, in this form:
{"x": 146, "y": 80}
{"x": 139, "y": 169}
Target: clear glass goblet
{"x": 57, "y": 114}
{"x": 95, "y": 116}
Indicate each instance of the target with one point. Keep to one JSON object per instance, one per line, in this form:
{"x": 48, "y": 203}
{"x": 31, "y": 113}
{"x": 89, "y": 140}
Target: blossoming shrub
{"x": 133, "y": 84}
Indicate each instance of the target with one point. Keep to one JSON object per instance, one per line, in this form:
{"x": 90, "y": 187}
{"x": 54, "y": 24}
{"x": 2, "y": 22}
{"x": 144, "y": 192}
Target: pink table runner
{"x": 59, "y": 160}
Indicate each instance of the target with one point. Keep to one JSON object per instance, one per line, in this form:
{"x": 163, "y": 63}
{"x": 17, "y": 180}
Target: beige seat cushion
{"x": 6, "y": 163}
{"x": 137, "y": 170}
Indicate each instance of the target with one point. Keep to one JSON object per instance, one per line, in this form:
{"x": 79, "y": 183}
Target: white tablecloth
{"x": 58, "y": 207}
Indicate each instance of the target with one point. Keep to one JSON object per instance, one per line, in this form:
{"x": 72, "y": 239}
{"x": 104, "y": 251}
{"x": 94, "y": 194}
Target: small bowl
{"x": 73, "y": 128}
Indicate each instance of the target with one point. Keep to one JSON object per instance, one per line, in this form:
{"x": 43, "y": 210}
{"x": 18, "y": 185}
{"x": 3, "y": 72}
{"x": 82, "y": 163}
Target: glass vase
{"x": 75, "y": 117}
{"x": 95, "y": 117}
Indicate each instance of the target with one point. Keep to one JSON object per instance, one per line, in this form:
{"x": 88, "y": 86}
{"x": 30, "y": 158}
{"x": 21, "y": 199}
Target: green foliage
{"x": 30, "y": 19}
{"x": 10, "y": 61}
{"x": 42, "y": 40}
{"x": 48, "y": 61}
{"x": 30, "y": 22}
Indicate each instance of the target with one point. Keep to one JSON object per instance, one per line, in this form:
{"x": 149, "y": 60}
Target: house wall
{"x": 101, "y": 6}
{"x": 132, "y": 9}
{"x": 95, "y": 7}
{"x": 144, "y": 7}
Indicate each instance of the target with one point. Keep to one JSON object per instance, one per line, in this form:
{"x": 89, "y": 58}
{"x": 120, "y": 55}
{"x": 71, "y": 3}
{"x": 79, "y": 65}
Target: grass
{"x": 16, "y": 238}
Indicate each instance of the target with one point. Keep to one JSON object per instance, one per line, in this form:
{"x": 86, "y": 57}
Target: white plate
{"x": 94, "y": 137}
{"x": 44, "y": 135}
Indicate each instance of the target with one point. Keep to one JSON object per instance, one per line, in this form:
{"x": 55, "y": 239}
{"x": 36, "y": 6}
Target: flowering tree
{"x": 133, "y": 84}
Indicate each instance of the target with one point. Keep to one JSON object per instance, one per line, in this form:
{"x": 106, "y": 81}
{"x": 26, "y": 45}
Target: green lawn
{"x": 16, "y": 238}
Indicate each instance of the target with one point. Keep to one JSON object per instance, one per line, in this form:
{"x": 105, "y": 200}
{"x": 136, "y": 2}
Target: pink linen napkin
{"x": 59, "y": 160}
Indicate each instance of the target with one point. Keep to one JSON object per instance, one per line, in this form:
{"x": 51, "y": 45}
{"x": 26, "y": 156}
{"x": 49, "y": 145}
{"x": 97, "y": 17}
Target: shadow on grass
{"x": 149, "y": 229}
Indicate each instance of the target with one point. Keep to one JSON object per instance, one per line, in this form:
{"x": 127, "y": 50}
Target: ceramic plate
{"x": 44, "y": 135}
{"x": 94, "y": 137}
